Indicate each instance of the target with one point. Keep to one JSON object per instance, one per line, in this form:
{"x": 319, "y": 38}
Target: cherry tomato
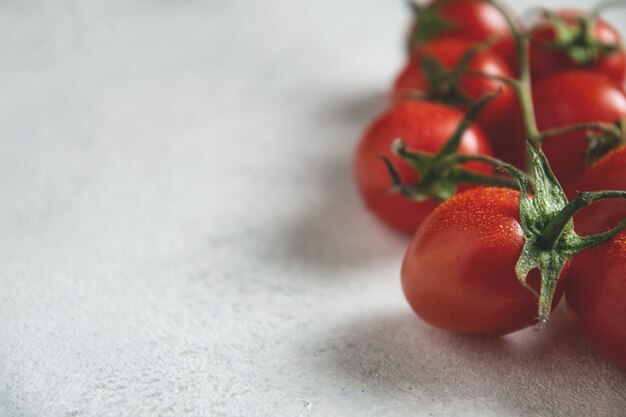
{"x": 607, "y": 173}
{"x": 564, "y": 99}
{"x": 424, "y": 126}
{"x": 596, "y": 297}
{"x": 474, "y": 20}
{"x": 546, "y": 60}
{"x": 495, "y": 118}
{"x": 459, "y": 271}
{"x": 596, "y": 283}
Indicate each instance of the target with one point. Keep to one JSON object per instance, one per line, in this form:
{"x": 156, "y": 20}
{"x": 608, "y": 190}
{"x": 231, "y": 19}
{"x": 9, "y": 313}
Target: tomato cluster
{"x": 494, "y": 250}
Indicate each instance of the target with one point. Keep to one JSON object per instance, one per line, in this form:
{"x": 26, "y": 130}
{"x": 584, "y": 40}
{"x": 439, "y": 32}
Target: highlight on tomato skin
{"x": 545, "y": 60}
{"x": 423, "y": 126}
{"x": 496, "y": 117}
{"x": 458, "y": 273}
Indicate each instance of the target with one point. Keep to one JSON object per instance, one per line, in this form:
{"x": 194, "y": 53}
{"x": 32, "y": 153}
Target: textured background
{"x": 180, "y": 235}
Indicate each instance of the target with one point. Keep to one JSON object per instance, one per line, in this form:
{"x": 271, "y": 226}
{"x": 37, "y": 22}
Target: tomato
{"x": 459, "y": 270}
{"x": 564, "y": 99}
{"x": 474, "y": 20}
{"x": 596, "y": 282}
{"x": 495, "y": 118}
{"x": 424, "y": 126}
{"x": 596, "y": 297}
{"x": 546, "y": 60}
{"x": 607, "y": 173}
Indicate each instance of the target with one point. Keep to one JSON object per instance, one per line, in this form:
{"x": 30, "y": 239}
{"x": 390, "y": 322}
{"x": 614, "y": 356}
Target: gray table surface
{"x": 180, "y": 235}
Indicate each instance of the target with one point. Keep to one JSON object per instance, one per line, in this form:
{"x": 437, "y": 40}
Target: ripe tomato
{"x": 607, "y": 173}
{"x": 474, "y": 20}
{"x": 546, "y": 60}
{"x": 424, "y": 126}
{"x": 495, "y": 118}
{"x": 596, "y": 297}
{"x": 596, "y": 283}
{"x": 564, "y": 99}
{"x": 459, "y": 271}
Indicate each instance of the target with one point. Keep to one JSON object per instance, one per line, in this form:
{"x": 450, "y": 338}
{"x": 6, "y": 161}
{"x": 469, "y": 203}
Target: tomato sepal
{"x": 440, "y": 174}
{"x": 445, "y": 84}
{"x": 577, "y": 41}
{"x": 431, "y": 24}
{"x": 599, "y": 144}
{"x": 546, "y": 220}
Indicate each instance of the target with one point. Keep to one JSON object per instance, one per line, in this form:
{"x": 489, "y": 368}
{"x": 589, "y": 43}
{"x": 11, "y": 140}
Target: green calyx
{"x": 430, "y": 23}
{"x": 440, "y": 174}
{"x": 443, "y": 84}
{"x": 600, "y": 143}
{"x": 546, "y": 220}
{"x": 577, "y": 40}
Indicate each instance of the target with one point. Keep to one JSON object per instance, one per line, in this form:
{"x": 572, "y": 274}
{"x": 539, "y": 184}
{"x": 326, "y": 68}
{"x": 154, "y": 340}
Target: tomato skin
{"x": 476, "y": 21}
{"x": 596, "y": 282}
{"x": 596, "y": 297}
{"x": 495, "y": 118}
{"x": 459, "y": 271}
{"x": 564, "y": 99}
{"x": 545, "y": 61}
{"x": 423, "y": 126}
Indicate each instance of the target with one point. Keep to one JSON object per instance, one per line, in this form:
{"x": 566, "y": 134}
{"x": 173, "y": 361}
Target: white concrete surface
{"x": 180, "y": 235}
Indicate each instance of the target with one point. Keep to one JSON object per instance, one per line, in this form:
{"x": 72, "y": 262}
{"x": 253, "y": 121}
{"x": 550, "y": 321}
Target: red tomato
{"x": 608, "y": 173}
{"x": 564, "y": 99}
{"x": 424, "y": 126}
{"x": 596, "y": 283}
{"x": 546, "y": 60}
{"x": 596, "y": 297}
{"x": 495, "y": 118}
{"x": 459, "y": 271}
{"x": 476, "y": 21}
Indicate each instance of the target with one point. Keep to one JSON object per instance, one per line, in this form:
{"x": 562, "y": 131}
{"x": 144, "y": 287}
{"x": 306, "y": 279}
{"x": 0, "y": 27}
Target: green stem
{"x": 463, "y": 158}
{"x": 524, "y": 90}
{"x": 588, "y": 242}
{"x": 452, "y": 145}
{"x": 609, "y": 129}
{"x": 551, "y": 269}
{"x": 462, "y": 176}
{"x": 555, "y": 228}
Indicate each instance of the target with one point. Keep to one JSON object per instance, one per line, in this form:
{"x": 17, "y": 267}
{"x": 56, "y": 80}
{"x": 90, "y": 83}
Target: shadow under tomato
{"x": 399, "y": 357}
{"x": 329, "y": 228}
